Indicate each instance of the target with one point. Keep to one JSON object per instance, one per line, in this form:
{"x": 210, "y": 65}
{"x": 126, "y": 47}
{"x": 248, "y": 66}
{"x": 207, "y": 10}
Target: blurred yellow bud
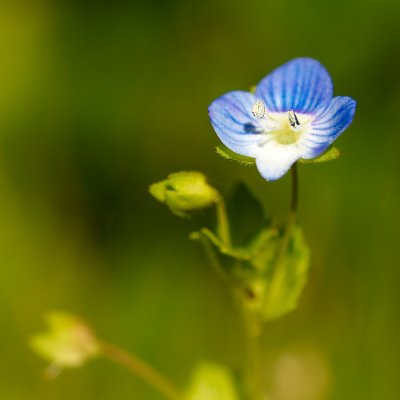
{"x": 211, "y": 382}
{"x": 184, "y": 192}
{"x": 67, "y": 343}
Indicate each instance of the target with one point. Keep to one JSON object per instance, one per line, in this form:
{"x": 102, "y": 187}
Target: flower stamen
{"x": 293, "y": 120}
{"x": 259, "y": 110}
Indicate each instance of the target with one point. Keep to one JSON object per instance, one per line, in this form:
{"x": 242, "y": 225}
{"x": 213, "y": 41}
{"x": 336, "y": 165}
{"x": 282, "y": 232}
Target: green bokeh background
{"x": 100, "y": 99}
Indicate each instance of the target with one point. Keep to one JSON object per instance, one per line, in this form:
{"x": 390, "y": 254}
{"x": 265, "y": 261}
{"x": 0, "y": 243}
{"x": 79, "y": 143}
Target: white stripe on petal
{"x": 327, "y": 126}
{"x": 235, "y": 124}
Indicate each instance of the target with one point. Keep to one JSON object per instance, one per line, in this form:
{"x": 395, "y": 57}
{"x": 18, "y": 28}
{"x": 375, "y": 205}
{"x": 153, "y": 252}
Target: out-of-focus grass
{"x": 98, "y": 100}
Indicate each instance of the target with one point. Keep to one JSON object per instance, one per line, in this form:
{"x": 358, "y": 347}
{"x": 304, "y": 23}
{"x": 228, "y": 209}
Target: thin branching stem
{"x": 141, "y": 370}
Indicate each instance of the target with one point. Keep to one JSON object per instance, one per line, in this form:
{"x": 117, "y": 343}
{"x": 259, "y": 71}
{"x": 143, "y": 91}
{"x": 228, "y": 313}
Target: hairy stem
{"x": 141, "y": 370}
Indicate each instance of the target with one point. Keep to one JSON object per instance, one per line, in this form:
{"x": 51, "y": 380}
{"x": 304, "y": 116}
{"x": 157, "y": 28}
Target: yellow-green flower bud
{"x": 184, "y": 192}
{"x": 67, "y": 343}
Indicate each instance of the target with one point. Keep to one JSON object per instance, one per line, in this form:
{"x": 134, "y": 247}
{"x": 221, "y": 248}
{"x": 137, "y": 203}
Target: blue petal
{"x": 302, "y": 85}
{"x": 234, "y": 122}
{"x": 328, "y": 125}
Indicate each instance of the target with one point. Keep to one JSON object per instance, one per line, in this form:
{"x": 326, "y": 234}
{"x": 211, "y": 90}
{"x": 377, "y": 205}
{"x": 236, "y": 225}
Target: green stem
{"x": 213, "y": 257}
{"x": 295, "y": 190}
{"x": 223, "y": 222}
{"x": 292, "y": 218}
{"x": 254, "y": 328}
{"x": 141, "y": 370}
{"x": 255, "y": 375}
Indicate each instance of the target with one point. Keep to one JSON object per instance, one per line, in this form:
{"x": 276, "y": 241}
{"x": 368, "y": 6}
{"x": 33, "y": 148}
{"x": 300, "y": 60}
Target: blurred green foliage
{"x": 100, "y": 99}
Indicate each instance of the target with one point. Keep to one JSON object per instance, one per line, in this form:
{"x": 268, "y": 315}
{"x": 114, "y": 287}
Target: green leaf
{"x": 265, "y": 265}
{"x": 248, "y": 226}
{"x": 228, "y": 154}
{"x": 289, "y": 276}
{"x": 331, "y": 154}
{"x": 246, "y": 215}
{"x": 268, "y": 275}
{"x": 211, "y": 382}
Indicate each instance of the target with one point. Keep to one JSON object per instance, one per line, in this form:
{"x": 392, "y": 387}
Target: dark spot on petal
{"x": 250, "y": 128}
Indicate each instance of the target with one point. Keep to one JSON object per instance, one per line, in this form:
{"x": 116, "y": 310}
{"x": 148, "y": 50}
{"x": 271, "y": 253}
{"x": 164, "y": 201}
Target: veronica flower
{"x": 291, "y": 115}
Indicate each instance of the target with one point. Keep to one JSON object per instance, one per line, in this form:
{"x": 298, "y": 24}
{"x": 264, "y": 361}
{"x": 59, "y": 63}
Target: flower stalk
{"x": 254, "y": 330}
{"x": 295, "y": 190}
{"x": 142, "y": 370}
{"x": 222, "y": 222}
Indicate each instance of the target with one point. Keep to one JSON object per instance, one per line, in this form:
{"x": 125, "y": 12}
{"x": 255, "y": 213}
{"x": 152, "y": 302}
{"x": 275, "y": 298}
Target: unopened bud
{"x": 184, "y": 192}
{"x": 67, "y": 343}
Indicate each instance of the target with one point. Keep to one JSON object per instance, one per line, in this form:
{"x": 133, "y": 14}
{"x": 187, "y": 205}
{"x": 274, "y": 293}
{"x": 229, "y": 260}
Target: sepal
{"x": 228, "y": 154}
{"x": 331, "y": 154}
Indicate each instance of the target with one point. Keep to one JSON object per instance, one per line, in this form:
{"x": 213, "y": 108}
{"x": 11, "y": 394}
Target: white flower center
{"x": 284, "y": 127}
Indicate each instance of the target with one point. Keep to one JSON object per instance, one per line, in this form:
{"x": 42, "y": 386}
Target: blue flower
{"x": 291, "y": 115}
